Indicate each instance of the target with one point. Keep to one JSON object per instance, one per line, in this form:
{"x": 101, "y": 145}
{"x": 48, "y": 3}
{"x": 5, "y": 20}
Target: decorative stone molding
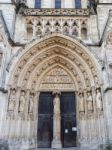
{"x": 55, "y": 12}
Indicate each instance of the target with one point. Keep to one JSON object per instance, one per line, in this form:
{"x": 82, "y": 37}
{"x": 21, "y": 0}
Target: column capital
{"x": 56, "y": 92}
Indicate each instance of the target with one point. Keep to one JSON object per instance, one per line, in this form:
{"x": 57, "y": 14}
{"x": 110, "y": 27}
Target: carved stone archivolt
{"x": 56, "y": 63}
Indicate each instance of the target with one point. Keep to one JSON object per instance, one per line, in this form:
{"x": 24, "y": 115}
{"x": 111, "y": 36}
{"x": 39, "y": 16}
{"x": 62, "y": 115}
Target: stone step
{"x": 73, "y": 148}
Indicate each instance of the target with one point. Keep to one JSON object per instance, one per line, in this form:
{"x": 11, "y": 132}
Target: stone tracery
{"x": 44, "y": 26}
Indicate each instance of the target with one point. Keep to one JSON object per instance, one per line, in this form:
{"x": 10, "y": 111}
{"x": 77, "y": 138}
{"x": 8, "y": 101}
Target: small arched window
{"x": 77, "y": 4}
{"x": 57, "y": 4}
{"x": 38, "y": 4}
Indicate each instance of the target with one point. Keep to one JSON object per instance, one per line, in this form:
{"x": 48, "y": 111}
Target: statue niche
{"x": 99, "y": 105}
{"x": 22, "y": 102}
{"x": 12, "y": 100}
{"x": 89, "y": 102}
{"x": 81, "y": 103}
{"x": 31, "y": 103}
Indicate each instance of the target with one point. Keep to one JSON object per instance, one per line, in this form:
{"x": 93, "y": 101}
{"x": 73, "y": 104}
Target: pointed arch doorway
{"x": 78, "y": 71}
{"x": 57, "y": 110}
{"x": 57, "y": 131}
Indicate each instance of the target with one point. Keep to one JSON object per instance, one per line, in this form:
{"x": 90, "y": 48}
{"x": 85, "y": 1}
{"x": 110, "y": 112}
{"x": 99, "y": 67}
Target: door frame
{"x": 77, "y": 111}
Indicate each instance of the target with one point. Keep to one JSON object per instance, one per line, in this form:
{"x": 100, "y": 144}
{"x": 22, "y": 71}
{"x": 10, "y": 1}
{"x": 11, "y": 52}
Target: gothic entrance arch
{"x": 55, "y": 62}
{"x": 57, "y": 109}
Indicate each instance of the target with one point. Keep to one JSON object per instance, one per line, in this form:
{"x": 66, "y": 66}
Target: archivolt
{"x": 57, "y": 50}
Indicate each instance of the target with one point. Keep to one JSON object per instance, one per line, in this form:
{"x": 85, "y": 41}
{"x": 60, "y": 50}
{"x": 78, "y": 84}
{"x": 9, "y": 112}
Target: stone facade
{"x": 47, "y": 50}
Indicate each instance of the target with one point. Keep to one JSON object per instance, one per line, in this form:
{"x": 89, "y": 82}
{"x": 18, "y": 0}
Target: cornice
{"x": 55, "y": 12}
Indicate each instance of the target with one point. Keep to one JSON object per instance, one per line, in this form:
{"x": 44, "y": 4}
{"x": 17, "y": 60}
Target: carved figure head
{"x": 13, "y": 91}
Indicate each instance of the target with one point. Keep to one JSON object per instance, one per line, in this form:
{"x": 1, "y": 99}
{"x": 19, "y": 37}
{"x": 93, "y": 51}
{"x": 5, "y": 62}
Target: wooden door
{"x": 45, "y": 120}
{"x": 68, "y": 120}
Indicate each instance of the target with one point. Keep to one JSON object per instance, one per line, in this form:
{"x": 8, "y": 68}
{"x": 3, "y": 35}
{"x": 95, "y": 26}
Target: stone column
{"x": 56, "y": 143}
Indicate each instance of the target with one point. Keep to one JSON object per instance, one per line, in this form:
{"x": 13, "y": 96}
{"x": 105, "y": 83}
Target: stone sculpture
{"x": 81, "y": 103}
{"x": 99, "y": 105}
{"x": 22, "y": 102}
{"x": 89, "y": 102}
{"x": 31, "y": 103}
{"x": 12, "y": 100}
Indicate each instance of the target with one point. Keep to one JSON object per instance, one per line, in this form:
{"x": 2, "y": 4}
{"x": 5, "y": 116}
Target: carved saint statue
{"x": 89, "y": 101}
{"x": 99, "y": 105}
{"x": 31, "y": 103}
{"x": 56, "y": 121}
{"x": 22, "y": 102}
{"x": 81, "y": 103}
{"x": 56, "y": 105}
{"x": 12, "y": 100}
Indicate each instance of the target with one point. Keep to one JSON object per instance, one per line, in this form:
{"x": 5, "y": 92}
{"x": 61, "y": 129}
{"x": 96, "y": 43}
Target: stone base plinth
{"x": 56, "y": 144}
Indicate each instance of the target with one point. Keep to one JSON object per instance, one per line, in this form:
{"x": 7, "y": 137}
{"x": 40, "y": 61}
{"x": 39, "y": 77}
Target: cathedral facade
{"x": 56, "y": 74}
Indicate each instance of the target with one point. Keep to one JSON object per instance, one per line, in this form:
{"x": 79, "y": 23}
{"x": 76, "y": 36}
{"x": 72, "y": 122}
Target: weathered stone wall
{"x": 8, "y": 12}
{"x": 17, "y": 124}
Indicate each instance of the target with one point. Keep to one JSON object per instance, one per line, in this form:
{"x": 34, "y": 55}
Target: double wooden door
{"x": 68, "y": 120}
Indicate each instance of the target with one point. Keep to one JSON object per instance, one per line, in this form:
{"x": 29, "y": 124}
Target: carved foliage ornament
{"x": 55, "y": 12}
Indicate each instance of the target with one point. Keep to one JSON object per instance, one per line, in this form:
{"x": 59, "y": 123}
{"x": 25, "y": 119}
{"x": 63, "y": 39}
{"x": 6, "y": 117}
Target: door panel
{"x": 45, "y": 120}
{"x": 68, "y": 120}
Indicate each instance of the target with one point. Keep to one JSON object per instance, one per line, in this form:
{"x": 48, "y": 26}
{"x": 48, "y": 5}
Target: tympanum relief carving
{"x": 57, "y": 78}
